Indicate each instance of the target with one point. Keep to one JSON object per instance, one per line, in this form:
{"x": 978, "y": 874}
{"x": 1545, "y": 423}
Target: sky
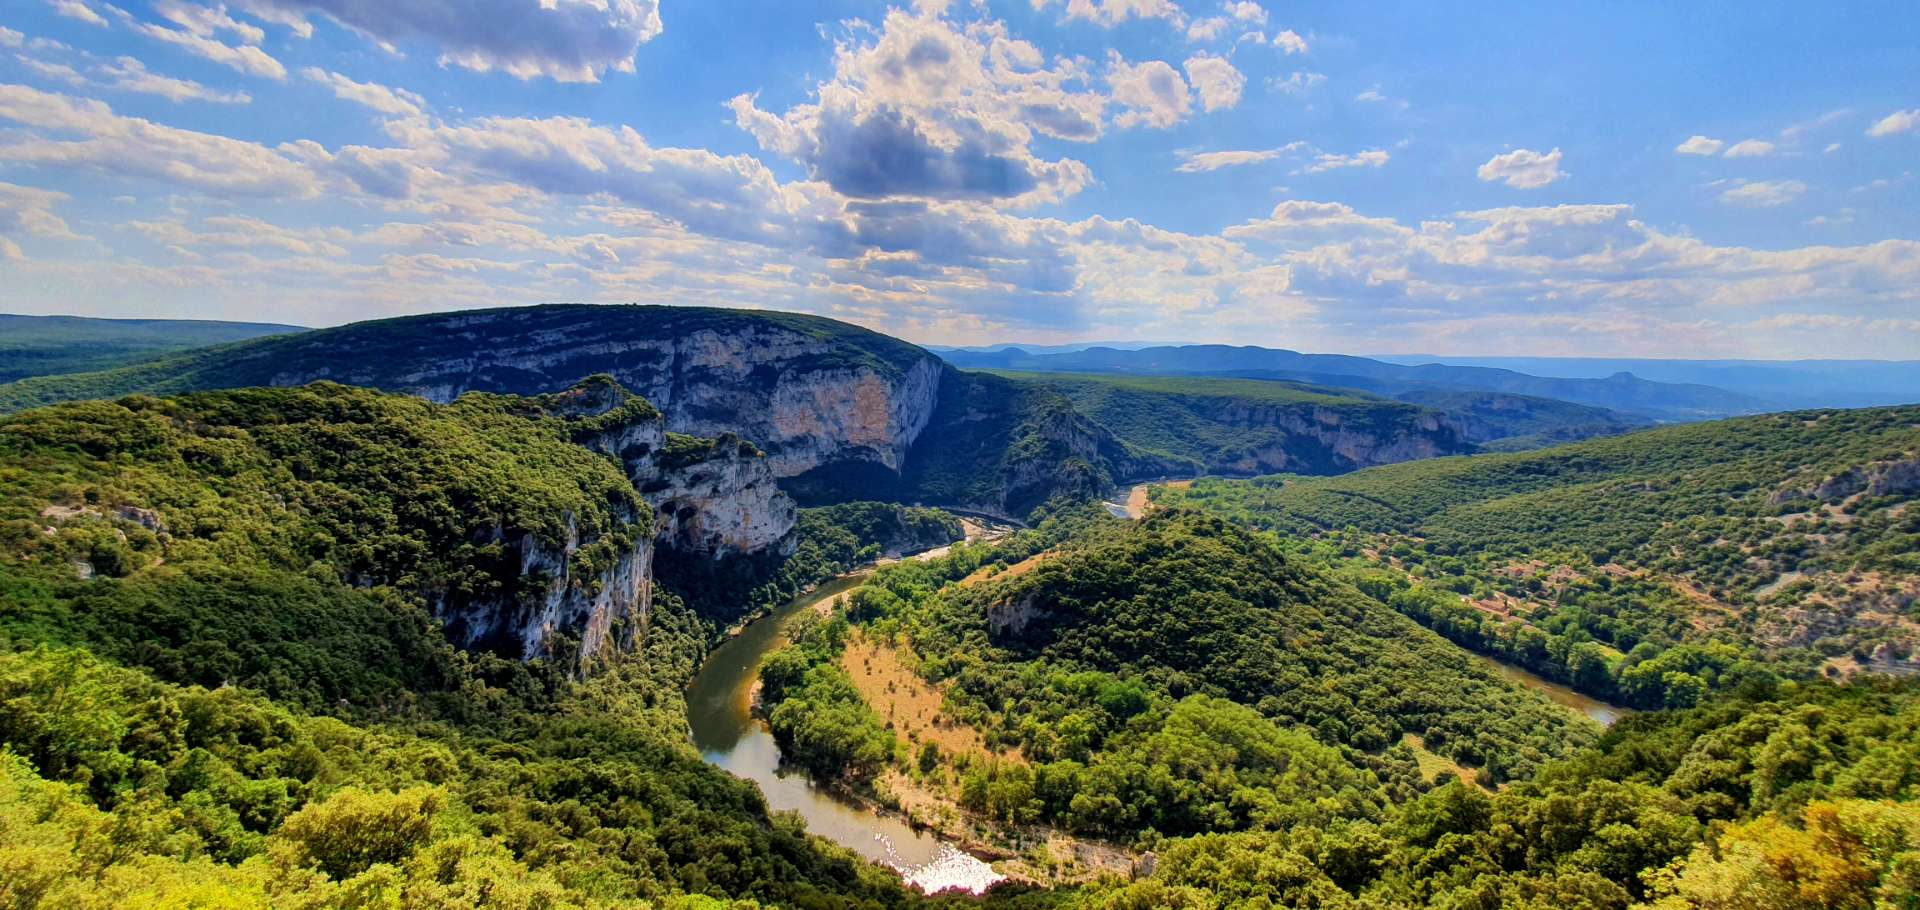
{"x": 1702, "y": 179}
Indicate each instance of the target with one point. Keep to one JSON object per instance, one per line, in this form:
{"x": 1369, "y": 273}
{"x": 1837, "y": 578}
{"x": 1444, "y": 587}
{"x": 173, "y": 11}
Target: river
{"x": 1594, "y": 709}
{"x": 720, "y": 713}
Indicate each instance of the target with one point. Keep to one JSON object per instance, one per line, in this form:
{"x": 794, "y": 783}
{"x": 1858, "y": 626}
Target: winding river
{"x": 1594, "y": 709}
{"x": 720, "y": 713}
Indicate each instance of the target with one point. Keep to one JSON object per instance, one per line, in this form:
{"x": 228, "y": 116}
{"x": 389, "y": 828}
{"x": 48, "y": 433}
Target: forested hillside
{"x": 1179, "y": 676}
{"x": 1247, "y": 426}
{"x": 1644, "y": 567}
{"x": 1623, "y": 392}
{"x": 224, "y": 683}
{"x": 48, "y": 345}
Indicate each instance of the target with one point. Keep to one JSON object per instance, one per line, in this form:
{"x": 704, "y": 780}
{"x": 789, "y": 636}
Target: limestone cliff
{"x": 710, "y": 497}
{"x": 554, "y": 608}
{"x": 807, "y": 391}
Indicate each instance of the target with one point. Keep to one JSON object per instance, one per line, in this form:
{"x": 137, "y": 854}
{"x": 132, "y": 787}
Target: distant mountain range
{"x": 1623, "y": 391}
{"x": 1784, "y": 383}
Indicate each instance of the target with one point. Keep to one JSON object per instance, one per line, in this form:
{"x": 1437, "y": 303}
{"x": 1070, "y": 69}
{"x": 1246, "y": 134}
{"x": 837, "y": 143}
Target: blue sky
{"x": 1655, "y": 179}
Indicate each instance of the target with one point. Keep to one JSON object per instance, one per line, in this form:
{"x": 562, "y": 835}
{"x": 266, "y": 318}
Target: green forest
{"x": 229, "y": 677}
{"x": 1646, "y": 568}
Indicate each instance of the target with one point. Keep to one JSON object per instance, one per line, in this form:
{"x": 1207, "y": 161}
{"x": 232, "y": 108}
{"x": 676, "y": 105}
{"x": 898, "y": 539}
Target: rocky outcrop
{"x": 564, "y": 603}
{"x": 710, "y": 497}
{"x": 1323, "y": 440}
{"x": 1886, "y": 477}
{"x": 723, "y": 502}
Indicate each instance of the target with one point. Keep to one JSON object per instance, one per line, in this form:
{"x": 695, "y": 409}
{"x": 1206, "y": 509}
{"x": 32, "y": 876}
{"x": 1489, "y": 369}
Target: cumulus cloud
{"x": 1246, "y": 11}
{"x": 1208, "y": 29}
{"x": 1700, "y": 145}
{"x": 243, "y": 57}
{"x": 380, "y": 98}
{"x": 1750, "y": 148}
{"x": 565, "y": 40}
{"x": 110, "y": 144}
{"x": 1290, "y": 42}
{"x": 1895, "y": 123}
{"x": 129, "y": 75}
{"x": 57, "y": 72}
{"x": 920, "y": 108}
{"x": 10, "y": 38}
{"x": 1523, "y": 169}
{"x": 1151, "y": 93}
{"x": 1109, "y": 13}
{"x": 1764, "y": 193}
{"x": 1328, "y": 161}
{"x": 207, "y": 21}
{"x": 1218, "y": 83}
{"x": 240, "y": 232}
{"x": 78, "y": 9}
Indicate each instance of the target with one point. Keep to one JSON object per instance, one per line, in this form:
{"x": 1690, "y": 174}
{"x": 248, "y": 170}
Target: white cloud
{"x": 1290, "y": 42}
{"x": 1218, "y": 83}
{"x": 1151, "y": 93}
{"x": 1328, "y": 161}
{"x": 238, "y": 232}
{"x": 27, "y": 211}
{"x": 10, "y": 38}
{"x": 58, "y": 72}
{"x": 1764, "y": 193}
{"x": 920, "y": 109}
{"x": 244, "y": 58}
{"x": 1750, "y": 148}
{"x": 1895, "y": 123}
{"x": 77, "y": 9}
{"x": 1523, "y": 169}
{"x": 208, "y": 21}
{"x": 1110, "y": 13}
{"x": 1246, "y": 11}
{"x": 380, "y": 98}
{"x": 1700, "y": 145}
{"x": 1831, "y": 148}
{"x": 1208, "y": 29}
{"x": 1200, "y": 162}
{"x": 1298, "y": 82}
{"x": 130, "y": 75}
{"x": 110, "y": 144}
{"x": 565, "y": 40}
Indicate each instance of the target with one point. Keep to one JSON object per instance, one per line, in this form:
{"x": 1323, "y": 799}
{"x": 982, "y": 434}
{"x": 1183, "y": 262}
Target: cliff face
{"x": 601, "y": 613}
{"x": 710, "y": 497}
{"x": 808, "y": 391}
{"x": 724, "y": 502}
{"x": 1320, "y": 440}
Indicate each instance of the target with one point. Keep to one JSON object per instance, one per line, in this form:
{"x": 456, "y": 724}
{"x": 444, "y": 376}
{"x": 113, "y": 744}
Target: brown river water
{"x": 720, "y": 714}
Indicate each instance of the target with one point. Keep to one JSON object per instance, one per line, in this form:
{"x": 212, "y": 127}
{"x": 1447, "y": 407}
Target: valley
{"x": 690, "y": 608}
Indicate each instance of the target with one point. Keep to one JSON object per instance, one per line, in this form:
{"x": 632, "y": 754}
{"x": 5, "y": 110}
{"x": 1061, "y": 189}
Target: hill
{"x": 1781, "y": 383}
{"x": 1621, "y": 392}
{"x": 1268, "y": 692}
{"x": 48, "y": 345}
{"x": 825, "y": 400}
{"x": 228, "y": 628}
{"x": 1612, "y": 563}
{"x": 1499, "y": 421}
{"x": 1245, "y": 426}
{"x": 841, "y": 412}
